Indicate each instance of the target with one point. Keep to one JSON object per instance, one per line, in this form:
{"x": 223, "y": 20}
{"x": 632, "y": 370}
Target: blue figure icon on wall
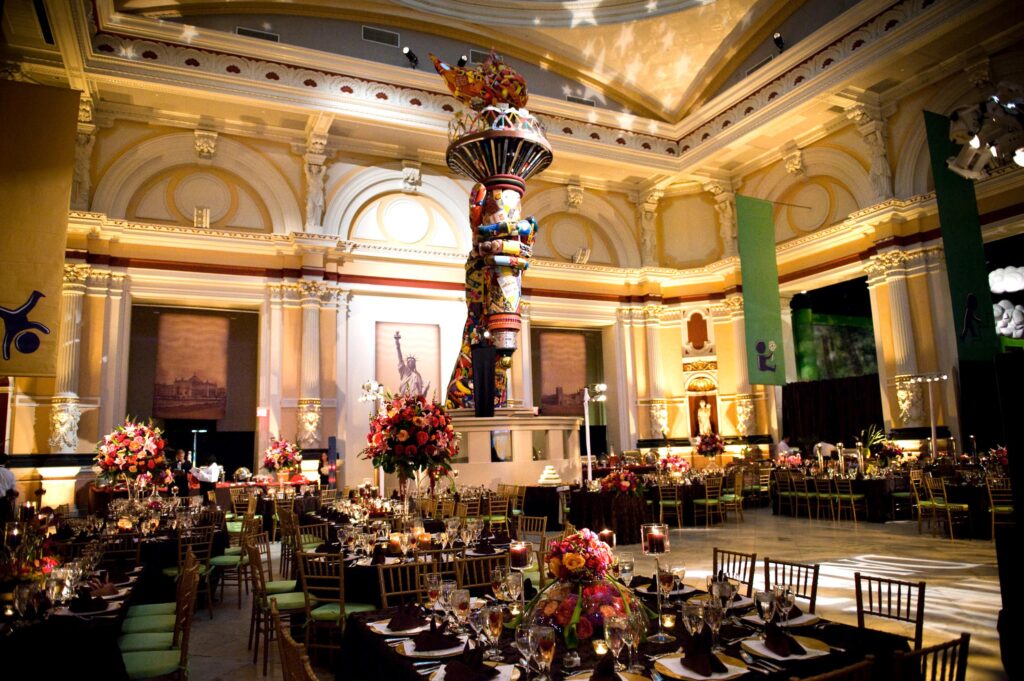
{"x": 765, "y": 355}
{"x": 19, "y": 330}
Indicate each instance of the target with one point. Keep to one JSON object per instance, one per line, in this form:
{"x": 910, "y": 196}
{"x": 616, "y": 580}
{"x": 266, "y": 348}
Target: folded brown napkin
{"x": 105, "y": 589}
{"x": 408, "y": 617}
{"x": 483, "y": 547}
{"x": 85, "y": 602}
{"x": 378, "y": 557}
{"x": 435, "y": 639}
{"x": 501, "y": 537}
{"x": 698, "y": 657}
{"x": 605, "y": 670}
{"x": 470, "y": 667}
{"x": 781, "y": 643}
{"x": 794, "y": 612}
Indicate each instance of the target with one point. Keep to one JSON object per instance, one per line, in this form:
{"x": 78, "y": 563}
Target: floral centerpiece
{"x": 621, "y": 481}
{"x": 583, "y": 595}
{"x": 282, "y": 455}
{"x": 410, "y": 435}
{"x": 673, "y": 464}
{"x": 710, "y": 445}
{"x": 999, "y": 455}
{"x": 135, "y": 452}
{"x": 792, "y": 460}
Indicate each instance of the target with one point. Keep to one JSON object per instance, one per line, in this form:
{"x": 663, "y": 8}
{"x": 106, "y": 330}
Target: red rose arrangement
{"x": 710, "y": 445}
{"x": 133, "y": 450}
{"x": 411, "y": 434}
{"x": 621, "y": 481}
{"x": 793, "y": 460}
{"x": 581, "y": 556}
{"x": 673, "y": 463}
{"x": 282, "y": 455}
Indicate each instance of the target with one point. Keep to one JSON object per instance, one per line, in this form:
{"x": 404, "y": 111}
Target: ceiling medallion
{"x": 552, "y": 13}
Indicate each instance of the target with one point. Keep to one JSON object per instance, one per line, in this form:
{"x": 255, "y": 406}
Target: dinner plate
{"x": 474, "y": 603}
{"x": 365, "y": 562}
{"x": 506, "y": 672}
{"x": 381, "y": 627}
{"x": 111, "y": 607}
{"x": 647, "y": 591}
{"x": 801, "y": 621}
{"x": 623, "y": 676}
{"x": 121, "y": 593}
{"x": 408, "y": 649}
{"x": 814, "y": 648}
{"x": 672, "y": 667}
{"x": 474, "y": 554}
{"x": 742, "y": 604}
{"x": 128, "y": 582}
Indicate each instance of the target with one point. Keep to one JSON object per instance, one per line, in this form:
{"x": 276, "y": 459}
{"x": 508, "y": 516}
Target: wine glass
{"x": 614, "y": 634}
{"x": 447, "y": 588}
{"x": 452, "y": 525}
{"x": 693, "y": 617}
{"x": 498, "y": 576}
{"x": 22, "y": 598}
{"x": 493, "y": 623}
{"x": 626, "y": 566}
{"x": 665, "y": 582}
{"x": 523, "y": 642}
{"x": 460, "y": 606}
{"x": 514, "y": 587}
{"x": 542, "y": 648}
{"x": 433, "y": 589}
{"x": 713, "y": 616}
{"x": 678, "y": 571}
{"x": 764, "y": 601}
{"x": 634, "y": 634}
{"x": 785, "y": 599}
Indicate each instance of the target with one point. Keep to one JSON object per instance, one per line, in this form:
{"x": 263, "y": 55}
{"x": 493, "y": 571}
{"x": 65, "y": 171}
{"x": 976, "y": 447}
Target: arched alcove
{"x": 606, "y": 223}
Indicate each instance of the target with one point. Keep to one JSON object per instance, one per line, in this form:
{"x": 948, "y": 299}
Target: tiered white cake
{"x": 549, "y": 476}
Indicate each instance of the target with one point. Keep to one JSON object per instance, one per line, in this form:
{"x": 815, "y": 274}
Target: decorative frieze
{"x": 412, "y": 177}
{"x": 65, "y": 413}
{"x": 205, "y": 144}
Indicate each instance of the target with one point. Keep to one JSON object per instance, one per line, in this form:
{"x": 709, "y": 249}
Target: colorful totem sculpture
{"x": 500, "y": 145}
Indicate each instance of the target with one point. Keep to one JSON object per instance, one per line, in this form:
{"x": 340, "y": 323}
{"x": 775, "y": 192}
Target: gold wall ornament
{"x": 309, "y": 416}
{"x": 744, "y": 413}
{"x": 701, "y": 365}
{"x": 701, "y": 384}
{"x": 64, "y": 416}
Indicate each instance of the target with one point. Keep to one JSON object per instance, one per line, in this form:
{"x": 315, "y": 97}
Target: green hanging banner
{"x": 762, "y": 315}
{"x": 965, "y": 254}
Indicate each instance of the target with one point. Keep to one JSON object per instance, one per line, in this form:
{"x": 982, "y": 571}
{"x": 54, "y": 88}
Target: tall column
{"x": 890, "y": 265}
{"x": 342, "y": 300}
{"x": 526, "y": 355}
{"x": 655, "y": 372}
{"x": 275, "y": 378}
{"x": 944, "y": 334}
{"x": 725, "y": 206}
{"x": 626, "y": 368}
{"x": 309, "y": 373}
{"x": 65, "y": 412}
{"x": 647, "y": 208}
{"x": 110, "y": 376}
{"x": 315, "y": 170}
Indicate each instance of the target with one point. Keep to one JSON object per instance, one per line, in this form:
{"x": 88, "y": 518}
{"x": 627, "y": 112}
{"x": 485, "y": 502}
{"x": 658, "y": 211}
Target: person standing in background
{"x": 208, "y": 476}
{"x": 325, "y": 470}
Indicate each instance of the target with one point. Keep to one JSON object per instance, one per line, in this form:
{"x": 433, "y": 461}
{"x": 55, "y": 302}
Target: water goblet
{"x": 493, "y": 623}
{"x": 634, "y": 634}
{"x": 447, "y": 588}
{"x": 460, "y": 606}
{"x": 523, "y": 643}
{"x": 498, "y": 576}
{"x": 764, "y": 601}
{"x": 514, "y": 587}
{"x": 693, "y": 617}
{"x": 614, "y": 634}
{"x": 626, "y": 567}
{"x": 713, "y": 616}
{"x": 542, "y": 648}
{"x": 433, "y": 589}
{"x": 786, "y": 600}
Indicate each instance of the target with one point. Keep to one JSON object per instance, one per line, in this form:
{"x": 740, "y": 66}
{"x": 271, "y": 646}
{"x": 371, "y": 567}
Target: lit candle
{"x": 394, "y": 543}
{"x": 656, "y": 542}
{"x": 600, "y": 646}
{"x": 519, "y": 554}
{"x": 426, "y": 541}
{"x": 607, "y": 536}
{"x": 668, "y": 620}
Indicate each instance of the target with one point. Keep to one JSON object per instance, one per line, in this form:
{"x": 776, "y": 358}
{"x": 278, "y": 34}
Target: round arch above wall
{"x": 120, "y": 184}
{"x": 820, "y": 162}
{"x": 351, "y": 200}
{"x": 600, "y": 214}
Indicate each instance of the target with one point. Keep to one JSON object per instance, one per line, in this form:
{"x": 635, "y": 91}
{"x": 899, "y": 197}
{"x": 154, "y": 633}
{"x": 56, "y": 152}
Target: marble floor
{"x": 962, "y": 595}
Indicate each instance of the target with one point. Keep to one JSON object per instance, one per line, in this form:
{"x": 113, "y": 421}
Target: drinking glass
{"x": 433, "y": 589}
{"x": 626, "y": 567}
{"x": 542, "y": 648}
{"x": 764, "y": 601}
{"x": 22, "y": 598}
{"x": 523, "y": 643}
{"x": 615, "y": 634}
{"x": 460, "y": 605}
{"x": 403, "y": 543}
{"x": 693, "y": 617}
{"x": 785, "y": 599}
{"x": 514, "y": 586}
{"x": 665, "y": 581}
{"x": 713, "y": 616}
{"x": 498, "y": 576}
{"x": 452, "y": 525}
{"x": 493, "y": 623}
{"x": 678, "y": 571}
{"x": 634, "y": 634}
{"x": 447, "y": 588}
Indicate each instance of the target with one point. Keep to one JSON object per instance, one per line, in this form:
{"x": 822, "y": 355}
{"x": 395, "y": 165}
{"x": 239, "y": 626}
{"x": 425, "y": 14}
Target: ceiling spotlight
{"x": 779, "y": 42}
{"x": 414, "y": 61}
{"x": 462, "y": 60}
{"x": 1018, "y": 157}
{"x": 975, "y": 142}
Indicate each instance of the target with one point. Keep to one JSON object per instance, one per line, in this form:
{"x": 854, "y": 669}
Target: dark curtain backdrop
{"x": 833, "y": 410}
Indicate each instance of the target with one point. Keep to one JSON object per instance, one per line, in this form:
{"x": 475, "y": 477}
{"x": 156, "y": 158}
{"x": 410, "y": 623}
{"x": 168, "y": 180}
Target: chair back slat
{"x": 402, "y": 582}
{"x": 801, "y": 577}
{"x": 943, "y": 662}
{"x": 533, "y": 529}
{"x": 475, "y": 572}
{"x": 322, "y": 576}
{"x": 735, "y": 565}
{"x": 713, "y": 487}
{"x": 892, "y": 599}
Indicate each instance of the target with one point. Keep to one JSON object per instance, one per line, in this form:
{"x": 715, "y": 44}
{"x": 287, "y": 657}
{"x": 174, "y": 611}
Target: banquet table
{"x": 686, "y": 493}
{"x": 621, "y": 513}
{"x": 542, "y": 500}
{"x": 877, "y": 493}
{"x": 366, "y": 655}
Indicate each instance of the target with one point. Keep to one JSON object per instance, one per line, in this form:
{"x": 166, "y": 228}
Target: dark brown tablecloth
{"x": 621, "y": 513}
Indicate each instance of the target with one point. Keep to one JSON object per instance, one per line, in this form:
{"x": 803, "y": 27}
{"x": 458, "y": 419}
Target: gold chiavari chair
{"x": 1000, "y": 503}
{"x": 291, "y": 604}
{"x": 328, "y": 496}
{"x": 801, "y": 577}
{"x": 735, "y": 565}
{"x": 822, "y": 491}
{"x": 520, "y": 500}
{"x": 402, "y": 583}
{"x": 289, "y": 540}
{"x": 498, "y": 513}
{"x": 441, "y": 561}
{"x": 732, "y": 497}
{"x": 233, "y": 566}
{"x": 447, "y": 509}
{"x": 944, "y": 510}
{"x": 294, "y": 660}
{"x": 845, "y": 498}
{"x": 861, "y": 671}
{"x": 712, "y": 502}
{"x": 946, "y": 661}
{"x": 784, "y": 491}
{"x": 922, "y": 504}
{"x": 801, "y": 495}
{"x": 121, "y": 551}
{"x": 198, "y": 541}
{"x": 475, "y": 572}
{"x": 902, "y": 500}
{"x": 532, "y": 529}
{"x": 239, "y": 500}
{"x": 322, "y": 576}
{"x": 669, "y": 501}
{"x": 429, "y": 508}
{"x": 891, "y": 599}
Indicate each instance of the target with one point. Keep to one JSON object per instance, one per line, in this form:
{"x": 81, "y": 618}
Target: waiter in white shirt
{"x": 783, "y": 446}
{"x": 208, "y": 476}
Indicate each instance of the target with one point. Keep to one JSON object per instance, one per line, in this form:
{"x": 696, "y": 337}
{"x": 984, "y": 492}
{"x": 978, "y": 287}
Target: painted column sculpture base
{"x": 744, "y": 414}
{"x": 309, "y": 423}
{"x": 659, "y": 419}
{"x": 64, "y": 416}
{"x": 909, "y": 402}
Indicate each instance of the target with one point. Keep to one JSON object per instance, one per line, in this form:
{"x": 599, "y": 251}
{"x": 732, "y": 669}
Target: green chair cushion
{"x": 152, "y": 609}
{"x": 731, "y": 497}
{"x": 234, "y": 527}
{"x": 752, "y": 488}
{"x": 154, "y": 641}
{"x": 848, "y": 497}
{"x": 330, "y": 612}
{"x": 951, "y": 507}
{"x": 1003, "y": 509}
{"x": 786, "y": 494}
{"x": 517, "y": 511}
{"x": 310, "y": 539}
{"x": 496, "y": 518}
{"x": 312, "y": 546}
{"x": 292, "y": 600}
{"x": 233, "y": 551}
{"x": 706, "y": 502}
{"x": 670, "y": 503}
{"x": 926, "y": 504}
{"x": 148, "y": 624}
{"x": 229, "y": 516}
{"x": 533, "y": 576}
{"x": 173, "y": 571}
{"x": 151, "y": 663}
{"x": 902, "y": 495}
{"x": 229, "y": 561}
{"x": 281, "y": 586}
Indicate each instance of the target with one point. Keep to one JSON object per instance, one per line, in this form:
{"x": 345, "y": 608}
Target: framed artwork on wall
{"x": 191, "y": 367}
{"x": 408, "y": 358}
